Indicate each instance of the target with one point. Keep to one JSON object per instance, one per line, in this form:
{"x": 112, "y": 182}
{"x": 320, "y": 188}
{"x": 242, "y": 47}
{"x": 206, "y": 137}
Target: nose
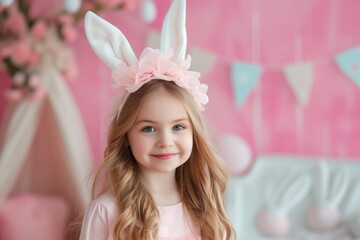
{"x": 165, "y": 140}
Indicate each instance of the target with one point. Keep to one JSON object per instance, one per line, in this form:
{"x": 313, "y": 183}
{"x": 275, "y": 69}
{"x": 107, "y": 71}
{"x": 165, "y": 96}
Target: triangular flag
{"x": 202, "y": 60}
{"x": 349, "y": 63}
{"x": 244, "y": 78}
{"x": 300, "y": 77}
{"x": 153, "y": 39}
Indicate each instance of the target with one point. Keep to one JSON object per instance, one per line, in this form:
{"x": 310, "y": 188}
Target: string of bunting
{"x": 298, "y": 75}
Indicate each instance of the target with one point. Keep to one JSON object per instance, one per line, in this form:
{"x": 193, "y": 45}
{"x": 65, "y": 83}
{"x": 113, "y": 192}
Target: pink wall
{"x": 270, "y": 120}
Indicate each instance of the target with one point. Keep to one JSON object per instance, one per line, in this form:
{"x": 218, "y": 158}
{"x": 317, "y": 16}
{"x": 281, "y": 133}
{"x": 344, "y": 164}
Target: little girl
{"x": 161, "y": 177}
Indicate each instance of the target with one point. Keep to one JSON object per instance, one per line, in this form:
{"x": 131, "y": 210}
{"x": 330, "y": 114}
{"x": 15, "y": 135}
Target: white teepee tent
{"x": 44, "y": 148}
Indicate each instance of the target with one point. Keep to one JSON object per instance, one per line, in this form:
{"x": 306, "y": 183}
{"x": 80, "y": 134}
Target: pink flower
{"x": 5, "y": 51}
{"x": 33, "y": 58}
{"x": 39, "y": 30}
{"x": 13, "y": 94}
{"x": 21, "y": 53}
{"x": 34, "y": 81}
{"x": 200, "y": 96}
{"x": 66, "y": 19}
{"x": 124, "y": 76}
{"x": 68, "y": 32}
{"x": 155, "y": 64}
{"x": 19, "y": 79}
{"x": 15, "y": 23}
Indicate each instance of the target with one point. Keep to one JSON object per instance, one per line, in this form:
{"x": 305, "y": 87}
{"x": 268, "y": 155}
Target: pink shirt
{"x": 101, "y": 214}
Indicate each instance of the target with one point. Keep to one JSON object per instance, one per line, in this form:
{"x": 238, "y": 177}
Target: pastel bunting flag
{"x": 349, "y": 63}
{"x": 300, "y": 78}
{"x": 244, "y": 78}
{"x": 202, "y": 60}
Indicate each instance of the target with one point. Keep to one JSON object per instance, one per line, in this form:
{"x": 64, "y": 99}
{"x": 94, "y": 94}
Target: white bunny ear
{"x": 270, "y": 199}
{"x": 339, "y": 187}
{"x": 173, "y": 33}
{"x": 321, "y": 185}
{"x": 287, "y": 192}
{"x": 295, "y": 193}
{"x": 108, "y": 42}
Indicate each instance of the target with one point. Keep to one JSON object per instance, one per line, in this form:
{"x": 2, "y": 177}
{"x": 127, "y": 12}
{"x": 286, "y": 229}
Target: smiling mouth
{"x": 164, "y": 156}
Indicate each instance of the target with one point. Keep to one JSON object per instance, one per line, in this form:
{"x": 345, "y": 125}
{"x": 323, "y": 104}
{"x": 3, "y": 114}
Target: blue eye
{"x": 148, "y": 129}
{"x": 178, "y": 127}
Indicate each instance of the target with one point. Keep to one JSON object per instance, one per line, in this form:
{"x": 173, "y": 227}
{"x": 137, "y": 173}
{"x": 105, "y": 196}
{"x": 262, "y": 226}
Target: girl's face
{"x": 162, "y": 137}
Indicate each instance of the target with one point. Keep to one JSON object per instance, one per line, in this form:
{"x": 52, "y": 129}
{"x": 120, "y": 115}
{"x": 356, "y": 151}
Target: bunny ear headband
{"x": 167, "y": 63}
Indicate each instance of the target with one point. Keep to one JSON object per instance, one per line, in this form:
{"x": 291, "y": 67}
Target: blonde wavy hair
{"x": 201, "y": 180}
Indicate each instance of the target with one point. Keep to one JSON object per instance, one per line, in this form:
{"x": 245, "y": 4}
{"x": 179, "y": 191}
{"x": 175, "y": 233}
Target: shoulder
{"x": 103, "y": 206}
{"x": 99, "y": 218}
{"x": 106, "y": 199}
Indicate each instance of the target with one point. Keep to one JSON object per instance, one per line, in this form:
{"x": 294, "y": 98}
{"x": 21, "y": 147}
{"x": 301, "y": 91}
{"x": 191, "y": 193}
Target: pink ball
{"x": 323, "y": 218}
{"x": 236, "y": 154}
{"x": 272, "y": 224}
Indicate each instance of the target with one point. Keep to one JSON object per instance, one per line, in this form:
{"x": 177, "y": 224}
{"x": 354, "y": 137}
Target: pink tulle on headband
{"x": 155, "y": 64}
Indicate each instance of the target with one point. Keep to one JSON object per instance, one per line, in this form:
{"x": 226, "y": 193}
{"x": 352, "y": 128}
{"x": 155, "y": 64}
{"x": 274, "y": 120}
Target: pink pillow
{"x": 30, "y": 217}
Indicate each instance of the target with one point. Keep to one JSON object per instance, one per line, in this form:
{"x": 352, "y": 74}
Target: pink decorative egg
{"x": 272, "y": 224}
{"x": 323, "y": 218}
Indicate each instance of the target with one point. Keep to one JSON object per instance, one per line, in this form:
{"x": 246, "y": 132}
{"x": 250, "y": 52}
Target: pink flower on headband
{"x": 155, "y": 64}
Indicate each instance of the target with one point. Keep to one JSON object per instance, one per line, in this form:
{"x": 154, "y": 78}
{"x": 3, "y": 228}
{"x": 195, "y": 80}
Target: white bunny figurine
{"x": 325, "y": 214}
{"x": 284, "y": 195}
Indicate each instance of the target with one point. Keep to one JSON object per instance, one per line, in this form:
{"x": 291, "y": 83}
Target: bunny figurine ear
{"x": 325, "y": 214}
{"x": 108, "y": 42}
{"x": 173, "y": 33}
{"x": 284, "y": 196}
